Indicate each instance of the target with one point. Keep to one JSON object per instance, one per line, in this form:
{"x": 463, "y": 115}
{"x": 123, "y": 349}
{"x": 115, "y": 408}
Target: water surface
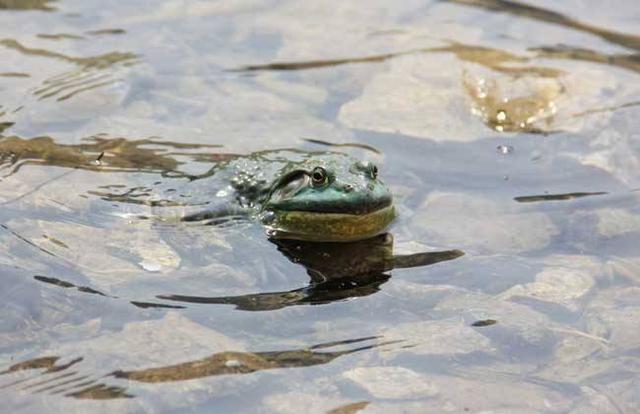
{"x": 507, "y": 131}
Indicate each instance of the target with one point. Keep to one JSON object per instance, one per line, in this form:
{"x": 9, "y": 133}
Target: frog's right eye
{"x": 373, "y": 172}
{"x": 369, "y": 169}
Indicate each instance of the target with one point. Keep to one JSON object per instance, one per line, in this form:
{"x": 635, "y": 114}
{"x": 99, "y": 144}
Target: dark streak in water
{"x": 64, "y": 284}
{"x": 49, "y": 380}
{"x": 60, "y": 36}
{"x": 314, "y": 64}
{"x": 484, "y": 322}
{"x": 351, "y": 145}
{"x": 146, "y": 305}
{"x": 53, "y": 88}
{"x": 626, "y": 61}
{"x": 555, "y": 197}
{"x": 24, "y": 239}
{"x": 63, "y": 383}
{"x": 548, "y": 16}
{"x": 87, "y": 88}
{"x": 130, "y": 197}
{"x": 55, "y": 241}
{"x": 14, "y": 75}
{"x": 106, "y": 32}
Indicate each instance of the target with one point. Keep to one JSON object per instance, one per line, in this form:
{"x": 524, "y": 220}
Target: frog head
{"x": 328, "y": 198}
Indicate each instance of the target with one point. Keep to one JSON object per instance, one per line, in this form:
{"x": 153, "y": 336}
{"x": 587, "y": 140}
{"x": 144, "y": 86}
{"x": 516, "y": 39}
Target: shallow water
{"x": 506, "y": 131}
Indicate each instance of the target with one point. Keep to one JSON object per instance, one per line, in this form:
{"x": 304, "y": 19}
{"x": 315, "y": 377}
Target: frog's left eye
{"x": 319, "y": 177}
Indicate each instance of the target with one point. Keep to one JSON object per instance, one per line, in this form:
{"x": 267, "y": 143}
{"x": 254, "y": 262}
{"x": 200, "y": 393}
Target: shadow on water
{"x": 338, "y": 271}
{"x": 54, "y": 379}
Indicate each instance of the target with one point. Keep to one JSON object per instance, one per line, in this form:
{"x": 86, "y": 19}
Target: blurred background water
{"x": 506, "y": 130}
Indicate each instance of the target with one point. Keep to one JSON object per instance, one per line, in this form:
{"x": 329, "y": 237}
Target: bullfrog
{"x": 311, "y": 196}
{"x": 325, "y": 197}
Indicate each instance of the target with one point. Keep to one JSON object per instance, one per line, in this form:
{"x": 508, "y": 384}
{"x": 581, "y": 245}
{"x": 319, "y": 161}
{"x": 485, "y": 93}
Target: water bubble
{"x": 501, "y": 115}
{"x": 504, "y": 149}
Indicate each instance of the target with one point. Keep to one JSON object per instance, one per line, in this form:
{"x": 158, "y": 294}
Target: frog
{"x": 319, "y": 196}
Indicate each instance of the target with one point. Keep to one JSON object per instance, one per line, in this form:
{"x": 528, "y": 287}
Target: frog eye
{"x": 318, "y": 177}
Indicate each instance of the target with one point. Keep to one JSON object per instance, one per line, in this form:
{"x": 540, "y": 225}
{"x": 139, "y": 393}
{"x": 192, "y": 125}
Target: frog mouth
{"x": 355, "y": 206}
{"x": 327, "y": 226}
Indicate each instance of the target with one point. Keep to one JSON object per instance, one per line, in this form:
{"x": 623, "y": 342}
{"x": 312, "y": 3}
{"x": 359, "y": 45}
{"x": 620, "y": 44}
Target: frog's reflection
{"x": 338, "y": 271}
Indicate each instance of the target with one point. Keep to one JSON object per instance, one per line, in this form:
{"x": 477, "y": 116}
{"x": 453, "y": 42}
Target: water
{"x": 508, "y": 133}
